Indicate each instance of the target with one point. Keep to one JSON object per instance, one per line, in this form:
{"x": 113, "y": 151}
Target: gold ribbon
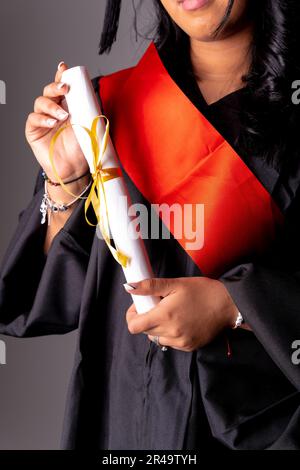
{"x": 100, "y": 175}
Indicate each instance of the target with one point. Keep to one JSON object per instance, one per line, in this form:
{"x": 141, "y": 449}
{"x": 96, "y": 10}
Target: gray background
{"x": 34, "y": 36}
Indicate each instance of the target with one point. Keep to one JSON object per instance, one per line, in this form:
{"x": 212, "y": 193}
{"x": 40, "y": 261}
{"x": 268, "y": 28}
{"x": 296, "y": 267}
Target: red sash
{"x": 174, "y": 155}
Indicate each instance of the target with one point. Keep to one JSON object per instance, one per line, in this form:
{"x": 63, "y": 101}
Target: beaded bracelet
{"x": 48, "y": 206}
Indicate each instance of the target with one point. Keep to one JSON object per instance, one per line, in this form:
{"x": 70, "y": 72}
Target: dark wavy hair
{"x": 269, "y": 118}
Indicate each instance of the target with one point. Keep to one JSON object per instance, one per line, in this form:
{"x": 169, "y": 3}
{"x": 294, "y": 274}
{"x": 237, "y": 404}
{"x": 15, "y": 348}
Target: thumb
{"x": 153, "y": 286}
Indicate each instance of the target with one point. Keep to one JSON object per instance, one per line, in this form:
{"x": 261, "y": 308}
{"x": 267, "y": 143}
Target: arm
{"x": 268, "y": 294}
{"x": 59, "y": 219}
{"x": 41, "y": 294}
{"x": 44, "y": 269}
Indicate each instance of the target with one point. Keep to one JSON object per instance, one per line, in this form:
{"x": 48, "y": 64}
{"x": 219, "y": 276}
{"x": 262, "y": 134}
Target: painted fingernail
{"x": 129, "y": 287}
{"x": 62, "y": 115}
{"x": 61, "y": 85}
{"x": 60, "y": 65}
{"x": 51, "y": 122}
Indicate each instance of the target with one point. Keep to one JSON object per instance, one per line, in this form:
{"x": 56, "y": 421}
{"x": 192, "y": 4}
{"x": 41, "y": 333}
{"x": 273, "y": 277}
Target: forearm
{"x": 59, "y": 219}
{"x": 269, "y": 300}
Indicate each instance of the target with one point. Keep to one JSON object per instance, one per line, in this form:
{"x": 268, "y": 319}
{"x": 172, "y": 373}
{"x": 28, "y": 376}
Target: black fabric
{"x": 125, "y": 393}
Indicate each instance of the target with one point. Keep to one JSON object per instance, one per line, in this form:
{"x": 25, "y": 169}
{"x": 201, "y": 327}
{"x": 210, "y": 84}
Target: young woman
{"x": 206, "y": 117}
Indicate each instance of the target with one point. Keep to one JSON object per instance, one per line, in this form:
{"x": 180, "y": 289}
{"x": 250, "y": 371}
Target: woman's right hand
{"x": 43, "y": 123}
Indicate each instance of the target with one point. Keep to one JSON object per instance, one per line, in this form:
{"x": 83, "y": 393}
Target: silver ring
{"x": 156, "y": 341}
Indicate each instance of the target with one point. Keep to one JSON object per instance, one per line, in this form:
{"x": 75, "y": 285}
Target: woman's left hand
{"x": 192, "y": 312}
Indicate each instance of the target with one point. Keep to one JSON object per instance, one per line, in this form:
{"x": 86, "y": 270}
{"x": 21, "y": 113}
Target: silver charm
{"x": 49, "y": 207}
{"x": 44, "y": 209}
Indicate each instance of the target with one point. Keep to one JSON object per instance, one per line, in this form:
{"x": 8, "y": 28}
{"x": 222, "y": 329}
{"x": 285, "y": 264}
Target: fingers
{"x": 48, "y": 104}
{"x": 172, "y": 343}
{"x": 47, "y": 110}
{"x": 168, "y": 336}
{"x": 60, "y": 70}
{"x": 131, "y": 312}
{"x": 45, "y": 105}
{"x": 36, "y": 120}
{"x": 56, "y": 91}
{"x": 163, "y": 340}
{"x": 141, "y": 323}
{"x": 156, "y": 287}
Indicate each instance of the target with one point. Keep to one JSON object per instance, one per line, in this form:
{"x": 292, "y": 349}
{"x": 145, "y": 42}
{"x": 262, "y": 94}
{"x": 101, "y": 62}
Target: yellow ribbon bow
{"x": 100, "y": 176}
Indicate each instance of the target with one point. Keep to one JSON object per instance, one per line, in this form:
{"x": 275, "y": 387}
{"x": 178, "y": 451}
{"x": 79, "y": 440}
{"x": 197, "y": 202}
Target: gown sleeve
{"x": 39, "y": 294}
{"x": 267, "y": 293}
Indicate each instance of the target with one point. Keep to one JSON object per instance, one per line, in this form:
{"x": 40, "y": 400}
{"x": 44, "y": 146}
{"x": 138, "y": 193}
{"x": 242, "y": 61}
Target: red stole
{"x": 174, "y": 155}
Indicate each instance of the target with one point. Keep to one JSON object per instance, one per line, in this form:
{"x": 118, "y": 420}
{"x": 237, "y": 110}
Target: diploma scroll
{"x": 84, "y": 107}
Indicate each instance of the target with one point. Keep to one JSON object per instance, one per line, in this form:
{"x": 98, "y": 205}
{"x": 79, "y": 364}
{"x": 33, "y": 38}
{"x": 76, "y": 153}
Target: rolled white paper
{"x": 84, "y": 107}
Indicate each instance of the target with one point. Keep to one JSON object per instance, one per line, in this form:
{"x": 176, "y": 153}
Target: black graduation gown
{"x": 125, "y": 393}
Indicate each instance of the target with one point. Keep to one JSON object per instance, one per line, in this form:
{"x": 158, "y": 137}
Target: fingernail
{"x": 60, "y": 65}
{"x": 61, "y": 85}
{"x": 129, "y": 287}
{"x": 51, "y": 122}
{"x": 62, "y": 115}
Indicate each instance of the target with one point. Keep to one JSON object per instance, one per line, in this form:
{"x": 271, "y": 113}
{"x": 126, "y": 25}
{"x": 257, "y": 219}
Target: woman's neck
{"x": 220, "y": 65}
